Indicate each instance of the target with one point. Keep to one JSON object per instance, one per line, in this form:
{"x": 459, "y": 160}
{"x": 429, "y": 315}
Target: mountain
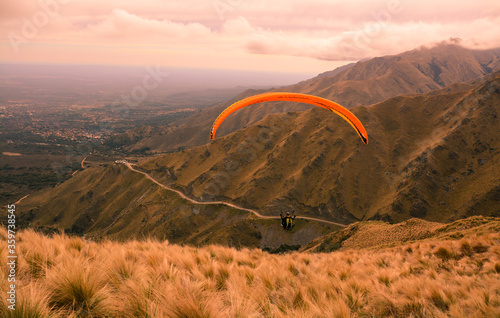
{"x": 418, "y": 71}
{"x": 363, "y": 83}
{"x": 432, "y": 156}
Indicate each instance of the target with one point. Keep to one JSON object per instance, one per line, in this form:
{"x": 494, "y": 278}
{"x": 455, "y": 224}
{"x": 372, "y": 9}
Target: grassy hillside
{"x": 434, "y": 156}
{"x": 117, "y": 203}
{"x": 369, "y": 234}
{"x": 454, "y": 273}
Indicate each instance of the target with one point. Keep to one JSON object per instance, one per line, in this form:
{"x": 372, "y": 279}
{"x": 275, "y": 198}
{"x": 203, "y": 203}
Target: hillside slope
{"x": 441, "y": 276}
{"x": 434, "y": 156}
{"x": 376, "y": 234}
{"x": 115, "y": 203}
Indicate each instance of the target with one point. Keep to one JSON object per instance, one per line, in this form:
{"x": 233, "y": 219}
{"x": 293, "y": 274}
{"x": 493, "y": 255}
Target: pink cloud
{"x": 330, "y": 30}
{"x": 123, "y": 24}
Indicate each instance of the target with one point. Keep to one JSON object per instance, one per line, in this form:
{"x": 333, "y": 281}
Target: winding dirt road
{"x": 182, "y": 195}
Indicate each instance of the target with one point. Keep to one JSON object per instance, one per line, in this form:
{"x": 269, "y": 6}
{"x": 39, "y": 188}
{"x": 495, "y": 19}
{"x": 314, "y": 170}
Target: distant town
{"x": 44, "y": 142}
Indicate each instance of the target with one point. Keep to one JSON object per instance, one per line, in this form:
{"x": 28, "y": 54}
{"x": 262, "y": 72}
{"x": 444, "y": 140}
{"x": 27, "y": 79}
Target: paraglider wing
{"x": 293, "y": 97}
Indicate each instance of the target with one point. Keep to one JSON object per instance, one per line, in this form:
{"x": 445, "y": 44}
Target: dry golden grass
{"x": 62, "y": 276}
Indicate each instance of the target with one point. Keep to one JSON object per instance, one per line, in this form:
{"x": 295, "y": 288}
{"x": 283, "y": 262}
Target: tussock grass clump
{"x": 61, "y": 276}
{"x": 443, "y": 252}
{"x": 31, "y": 304}
{"x": 77, "y": 287}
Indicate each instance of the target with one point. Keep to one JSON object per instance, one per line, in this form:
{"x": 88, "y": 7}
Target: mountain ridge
{"x": 404, "y": 144}
{"x": 364, "y": 83}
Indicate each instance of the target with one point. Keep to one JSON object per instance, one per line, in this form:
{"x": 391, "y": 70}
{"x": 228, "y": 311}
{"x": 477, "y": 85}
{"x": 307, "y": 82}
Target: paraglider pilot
{"x": 287, "y": 221}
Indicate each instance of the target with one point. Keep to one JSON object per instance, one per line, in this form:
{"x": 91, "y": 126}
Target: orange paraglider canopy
{"x": 293, "y": 97}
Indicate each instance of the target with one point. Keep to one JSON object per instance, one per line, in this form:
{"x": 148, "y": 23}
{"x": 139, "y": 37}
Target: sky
{"x": 300, "y": 36}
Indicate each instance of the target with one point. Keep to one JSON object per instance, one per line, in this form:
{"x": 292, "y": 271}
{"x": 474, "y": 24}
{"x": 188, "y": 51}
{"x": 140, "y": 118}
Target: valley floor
{"x": 457, "y": 275}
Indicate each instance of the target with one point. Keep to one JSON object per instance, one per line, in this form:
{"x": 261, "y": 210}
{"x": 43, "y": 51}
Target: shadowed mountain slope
{"x": 432, "y": 156}
{"x": 116, "y": 203}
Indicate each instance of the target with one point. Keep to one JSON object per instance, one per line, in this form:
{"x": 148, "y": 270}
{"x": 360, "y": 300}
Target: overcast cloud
{"x": 228, "y": 33}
